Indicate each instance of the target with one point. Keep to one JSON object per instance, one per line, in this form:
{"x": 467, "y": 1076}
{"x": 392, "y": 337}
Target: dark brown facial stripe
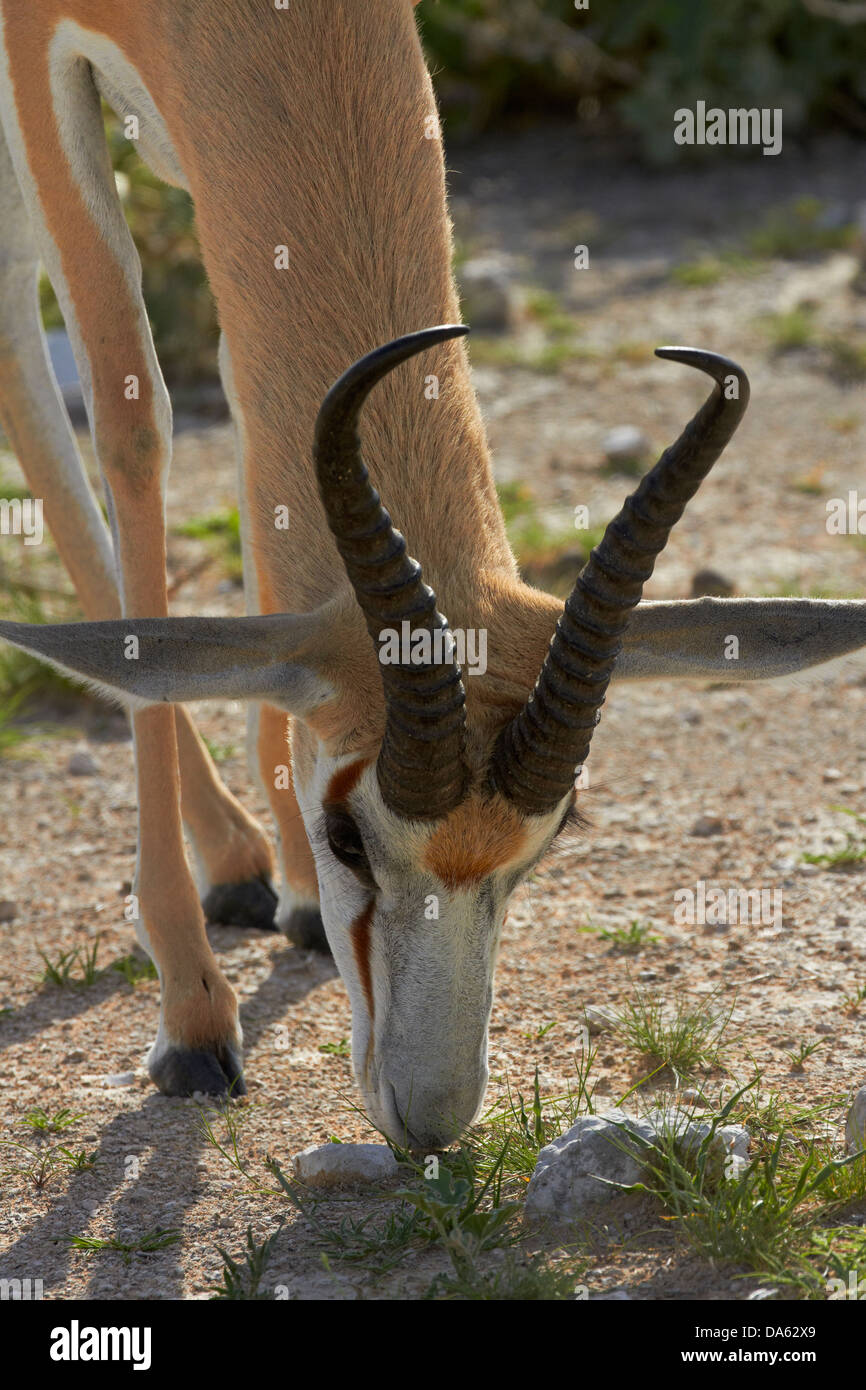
{"x": 360, "y": 934}
{"x": 344, "y": 781}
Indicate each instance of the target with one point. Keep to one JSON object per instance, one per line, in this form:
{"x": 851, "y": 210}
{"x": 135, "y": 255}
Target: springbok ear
{"x": 147, "y": 661}
{"x": 738, "y": 639}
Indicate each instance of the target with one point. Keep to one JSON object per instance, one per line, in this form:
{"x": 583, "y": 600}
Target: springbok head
{"x": 422, "y": 830}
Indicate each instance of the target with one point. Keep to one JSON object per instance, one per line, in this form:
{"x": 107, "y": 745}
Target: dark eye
{"x": 346, "y": 844}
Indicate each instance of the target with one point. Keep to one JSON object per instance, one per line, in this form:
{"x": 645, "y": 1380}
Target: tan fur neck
{"x": 319, "y": 144}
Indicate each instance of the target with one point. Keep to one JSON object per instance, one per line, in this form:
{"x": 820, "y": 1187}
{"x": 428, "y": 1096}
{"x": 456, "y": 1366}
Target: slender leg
{"x": 298, "y": 913}
{"x": 232, "y": 852}
{"x": 269, "y": 755}
{"x": 94, "y": 267}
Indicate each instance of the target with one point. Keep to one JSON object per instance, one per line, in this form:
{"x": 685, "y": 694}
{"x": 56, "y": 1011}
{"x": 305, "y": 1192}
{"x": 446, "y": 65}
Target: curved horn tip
{"x": 713, "y": 363}
{"x": 349, "y": 391}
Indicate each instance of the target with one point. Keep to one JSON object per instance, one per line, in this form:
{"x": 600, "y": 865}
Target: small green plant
{"x": 337, "y": 1049}
{"x": 798, "y": 229}
{"x": 220, "y": 752}
{"x": 519, "y": 1279}
{"x": 59, "y": 972}
{"x": 39, "y": 1165}
{"x": 710, "y": 268}
{"x": 533, "y": 539}
{"x": 795, "y": 328}
{"x": 626, "y": 941}
{"x": 768, "y": 1213}
{"x": 242, "y": 1279}
{"x": 232, "y": 1116}
{"x": 88, "y": 962}
{"x": 519, "y": 1127}
{"x": 806, "y": 1050}
{"x": 222, "y": 532}
{"x": 380, "y": 1245}
{"x": 706, "y": 270}
{"x": 43, "y": 1123}
{"x": 847, "y": 358}
{"x": 134, "y": 968}
{"x": 546, "y": 310}
{"x": 547, "y": 359}
{"x": 80, "y": 1162}
{"x": 811, "y": 483}
{"x": 541, "y": 1031}
{"x": 852, "y": 1002}
{"x": 148, "y": 1244}
{"x": 687, "y": 1040}
{"x": 853, "y": 852}
{"x": 455, "y": 1212}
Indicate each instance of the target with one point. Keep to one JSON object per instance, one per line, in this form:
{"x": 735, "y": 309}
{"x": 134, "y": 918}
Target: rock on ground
{"x": 486, "y": 295}
{"x": 336, "y": 1165}
{"x": 586, "y": 1168}
{"x": 855, "y": 1125}
{"x": 572, "y": 1174}
{"x": 625, "y": 444}
{"x": 83, "y": 764}
{"x": 599, "y": 1020}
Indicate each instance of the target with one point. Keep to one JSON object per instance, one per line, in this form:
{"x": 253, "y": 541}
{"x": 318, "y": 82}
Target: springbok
{"x": 418, "y": 800}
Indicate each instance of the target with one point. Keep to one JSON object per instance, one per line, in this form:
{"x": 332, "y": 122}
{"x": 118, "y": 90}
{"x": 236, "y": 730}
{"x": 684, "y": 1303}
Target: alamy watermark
{"x": 846, "y": 516}
{"x": 419, "y": 647}
{"x": 707, "y": 905}
{"x": 22, "y": 516}
{"x": 736, "y": 126}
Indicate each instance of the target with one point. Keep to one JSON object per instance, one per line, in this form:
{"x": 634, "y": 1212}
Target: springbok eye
{"x": 346, "y": 844}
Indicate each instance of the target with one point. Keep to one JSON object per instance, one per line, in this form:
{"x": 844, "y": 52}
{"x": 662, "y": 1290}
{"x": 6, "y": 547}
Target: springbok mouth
{"x": 407, "y": 1137}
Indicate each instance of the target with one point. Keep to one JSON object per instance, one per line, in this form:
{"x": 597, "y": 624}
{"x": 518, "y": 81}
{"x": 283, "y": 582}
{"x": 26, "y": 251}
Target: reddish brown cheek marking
{"x": 477, "y": 838}
{"x": 345, "y": 780}
{"x": 360, "y": 934}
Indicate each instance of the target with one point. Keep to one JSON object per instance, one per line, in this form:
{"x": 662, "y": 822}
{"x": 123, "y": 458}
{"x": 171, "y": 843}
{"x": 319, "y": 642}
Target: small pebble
{"x": 333, "y": 1165}
{"x": 8, "y": 910}
{"x": 83, "y": 764}
{"x": 709, "y": 583}
{"x": 625, "y": 444}
{"x": 708, "y": 824}
{"x": 598, "y": 1020}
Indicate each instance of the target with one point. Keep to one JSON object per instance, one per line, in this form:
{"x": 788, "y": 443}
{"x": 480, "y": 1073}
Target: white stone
{"x": 599, "y": 1020}
{"x": 486, "y": 295}
{"x": 582, "y": 1171}
{"x": 335, "y": 1165}
{"x": 625, "y": 444}
{"x": 83, "y": 764}
{"x": 119, "y": 1078}
{"x": 855, "y": 1124}
{"x": 573, "y": 1174}
{"x": 707, "y": 824}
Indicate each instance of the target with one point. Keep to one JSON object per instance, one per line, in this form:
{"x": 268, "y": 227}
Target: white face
{"x": 413, "y": 915}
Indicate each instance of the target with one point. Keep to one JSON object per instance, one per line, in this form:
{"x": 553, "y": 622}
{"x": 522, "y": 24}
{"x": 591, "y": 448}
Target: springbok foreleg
{"x": 232, "y": 851}
{"x": 69, "y": 190}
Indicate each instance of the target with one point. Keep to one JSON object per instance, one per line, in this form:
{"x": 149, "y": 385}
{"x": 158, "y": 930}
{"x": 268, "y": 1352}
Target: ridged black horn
{"x": 421, "y": 766}
{"x": 535, "y": 758}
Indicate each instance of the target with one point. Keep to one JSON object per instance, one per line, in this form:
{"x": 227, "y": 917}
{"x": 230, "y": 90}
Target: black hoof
{"x": 250, "y": 905}
{"x": 304, "y": 928}
{"x": 184, "y": 1071}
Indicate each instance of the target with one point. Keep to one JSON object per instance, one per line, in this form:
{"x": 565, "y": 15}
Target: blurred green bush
{"x": 638, "y": 60}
